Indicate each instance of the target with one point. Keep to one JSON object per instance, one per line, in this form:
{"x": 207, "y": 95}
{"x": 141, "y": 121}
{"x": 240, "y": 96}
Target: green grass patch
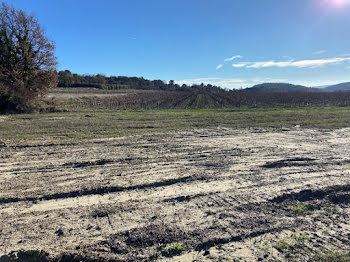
{"x": 173, "y": 249}
{"x": 299, "y": 238}
{"x": 283, "y": 245}
{"x": 300, "y": 209}
{"x": 97, "y": 124}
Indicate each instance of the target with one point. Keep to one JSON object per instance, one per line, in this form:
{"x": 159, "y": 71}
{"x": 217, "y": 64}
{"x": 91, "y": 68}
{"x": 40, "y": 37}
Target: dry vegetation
{"x": 207, "y": 194}
{"x": 89, "y": 98}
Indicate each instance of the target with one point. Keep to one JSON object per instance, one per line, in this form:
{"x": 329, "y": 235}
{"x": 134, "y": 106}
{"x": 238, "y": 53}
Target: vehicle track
{"x": 214, "y": 189}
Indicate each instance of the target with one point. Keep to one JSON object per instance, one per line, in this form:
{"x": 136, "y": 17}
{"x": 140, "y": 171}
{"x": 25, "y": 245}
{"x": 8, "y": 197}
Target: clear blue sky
{"x": 298, "y": 41}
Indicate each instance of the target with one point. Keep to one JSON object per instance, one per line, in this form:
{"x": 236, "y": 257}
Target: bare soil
{"x": 201, "y": 195}
{"x": 71, "y": 93}
{"x": 92, "y": 98}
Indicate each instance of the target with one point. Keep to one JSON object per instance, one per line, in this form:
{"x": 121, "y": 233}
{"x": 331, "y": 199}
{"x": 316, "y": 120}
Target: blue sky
{"x": 232, "y": 43}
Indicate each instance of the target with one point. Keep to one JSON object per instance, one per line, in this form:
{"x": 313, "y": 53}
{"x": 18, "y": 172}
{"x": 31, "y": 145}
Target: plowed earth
{"x": 235, "y": 194}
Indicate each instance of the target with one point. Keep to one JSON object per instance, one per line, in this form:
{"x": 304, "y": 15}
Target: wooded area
{"x": 69, "y": 79}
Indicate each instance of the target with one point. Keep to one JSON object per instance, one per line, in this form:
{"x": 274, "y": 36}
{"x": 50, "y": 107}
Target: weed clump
{"x": 173, "y": 249}
{"x": 283, "y": 245}
{"x": 299, "y": 238}
{"x": 300, "y": 209}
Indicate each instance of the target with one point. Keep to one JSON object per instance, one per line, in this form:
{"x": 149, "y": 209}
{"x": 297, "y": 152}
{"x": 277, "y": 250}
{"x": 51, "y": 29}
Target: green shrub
{"x": 14, "y": 104}
{"x": 173, "y": 249}
{"x": 301, "y": 209}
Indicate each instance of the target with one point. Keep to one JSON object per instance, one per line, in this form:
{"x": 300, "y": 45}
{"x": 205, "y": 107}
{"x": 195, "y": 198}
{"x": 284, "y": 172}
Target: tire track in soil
{"x": 258, "y": 221}
{"x": 254, "y": 201}
{"x": 102, "y": 191}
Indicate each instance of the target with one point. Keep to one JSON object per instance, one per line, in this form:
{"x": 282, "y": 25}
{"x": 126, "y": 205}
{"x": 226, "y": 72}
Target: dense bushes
{"x": 14, "y": 104}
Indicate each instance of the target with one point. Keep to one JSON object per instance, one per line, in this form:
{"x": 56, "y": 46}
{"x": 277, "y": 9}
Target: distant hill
{"x": 321, "y": 87}
{"x": 279, "y": 88}
{"x": 338, "y": 87}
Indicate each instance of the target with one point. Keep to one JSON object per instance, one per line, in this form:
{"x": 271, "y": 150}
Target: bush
{"x": 14, "y": 104}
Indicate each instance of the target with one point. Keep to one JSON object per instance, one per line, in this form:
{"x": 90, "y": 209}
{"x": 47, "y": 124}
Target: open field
{"x": 90, "y": 124}
{"x": 178, "y": 185}
{"x": 71, "y": 93}
{"x": 91, "y": 98}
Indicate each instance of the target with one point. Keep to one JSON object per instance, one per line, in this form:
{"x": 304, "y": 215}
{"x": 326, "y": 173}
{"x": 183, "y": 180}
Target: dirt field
{"x": 71, "y": 93}
{"x": 202, "y": 195}
{"x": 76, "y": 99}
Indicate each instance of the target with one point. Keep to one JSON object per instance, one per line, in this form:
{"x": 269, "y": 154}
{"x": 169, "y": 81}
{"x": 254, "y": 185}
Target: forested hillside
{"x": 279, "y": 88}
{"x": 339, "y": 87}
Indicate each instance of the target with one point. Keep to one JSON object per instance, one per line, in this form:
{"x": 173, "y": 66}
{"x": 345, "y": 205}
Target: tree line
{"x": 69, "y": 79}
{"x": 28, "y": 66}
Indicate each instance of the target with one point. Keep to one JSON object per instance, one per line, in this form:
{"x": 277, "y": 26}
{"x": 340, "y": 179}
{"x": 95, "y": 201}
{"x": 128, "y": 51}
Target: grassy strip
{"x": 96, "y": 124}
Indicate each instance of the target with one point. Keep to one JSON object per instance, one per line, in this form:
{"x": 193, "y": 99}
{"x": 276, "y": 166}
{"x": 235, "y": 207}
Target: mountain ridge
{"x": 289, "y": 88}
{"x": 279, "y": 88}
{"x": 338, "y": 87}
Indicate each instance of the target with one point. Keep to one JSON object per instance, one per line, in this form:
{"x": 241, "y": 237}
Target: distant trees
{"x": 27, "y": 60}
{"x": 67, "y": 79}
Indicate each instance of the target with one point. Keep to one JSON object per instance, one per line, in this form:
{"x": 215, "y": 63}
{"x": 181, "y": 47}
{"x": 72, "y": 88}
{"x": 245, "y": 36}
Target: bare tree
{"x": 27, "y": 60}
